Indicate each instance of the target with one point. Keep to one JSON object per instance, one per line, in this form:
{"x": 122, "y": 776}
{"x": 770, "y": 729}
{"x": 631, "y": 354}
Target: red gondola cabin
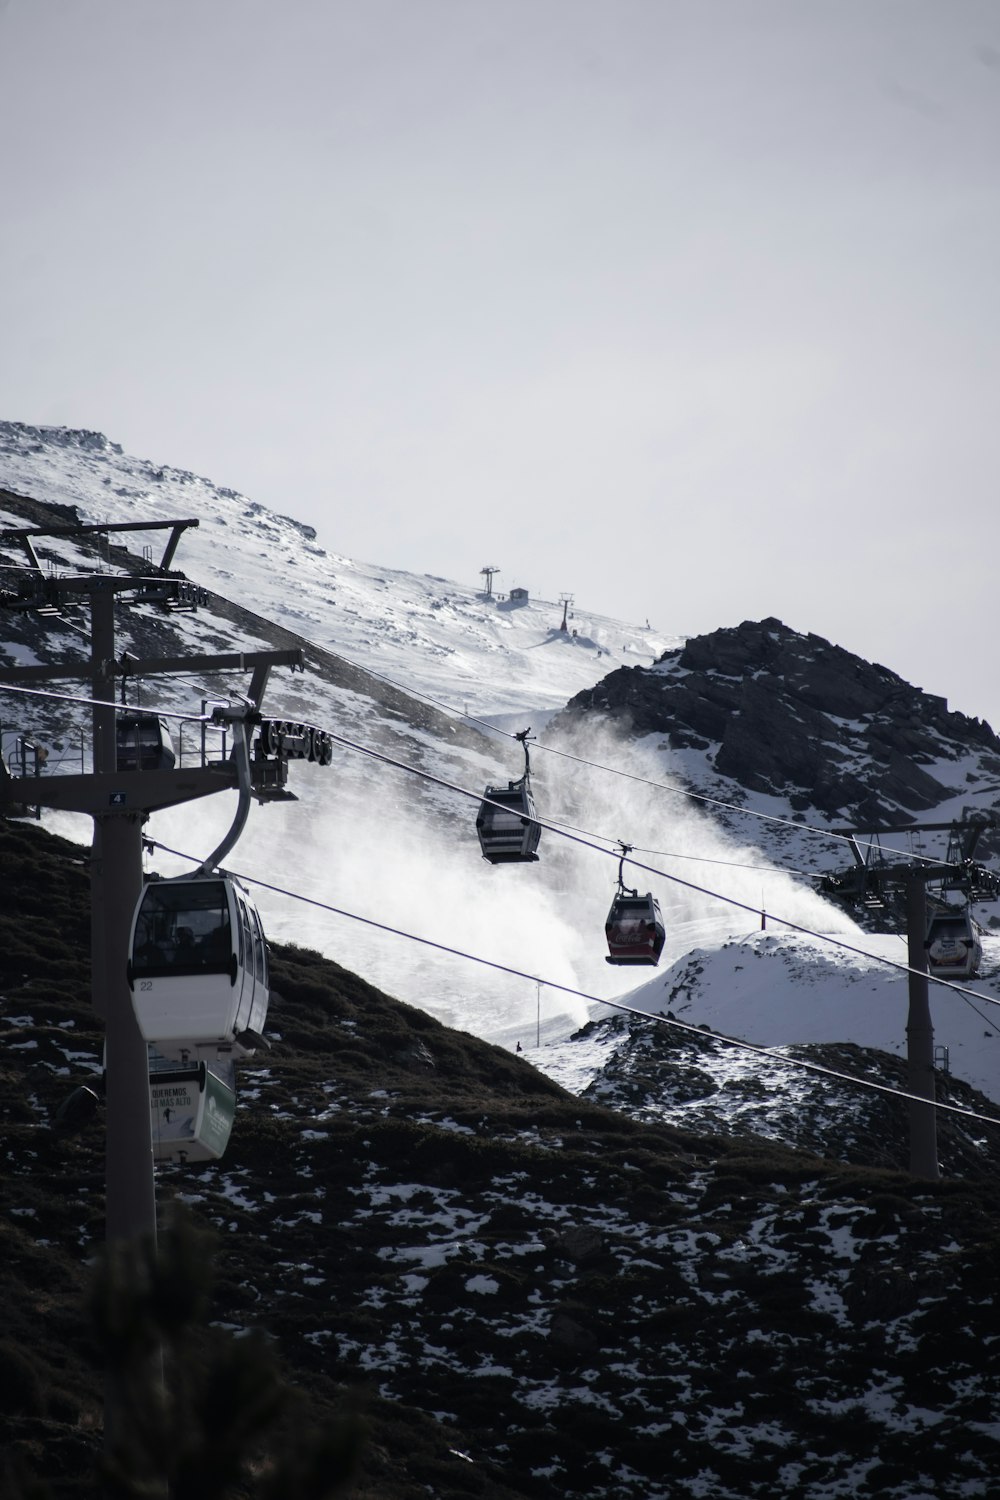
{"x": 634, "y": 929}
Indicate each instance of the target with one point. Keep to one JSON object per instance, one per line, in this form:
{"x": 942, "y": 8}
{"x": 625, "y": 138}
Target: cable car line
{"x": 630, "y": 1010}
{"x": 704, "y": 859}
{"x": 566, "y": 755}
{"x": 729, "y": 864}
{"x": 749, "y": 812}
{"x": 551, "y": 750}
{"x": 662, "y": 786}
{"x": 555, "y": 828}
{"x": 161, "y": 713}
{"x": 819, "y": 936}
{"x": 588, "y": 843}
{"x": 964, "y": 994}
{"x": 598, "y": 766}
{"x": 539, "y": 823}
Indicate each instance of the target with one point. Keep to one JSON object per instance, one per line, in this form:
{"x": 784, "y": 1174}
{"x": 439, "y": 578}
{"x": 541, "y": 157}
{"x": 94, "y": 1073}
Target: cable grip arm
{"x": 237, "y": 720}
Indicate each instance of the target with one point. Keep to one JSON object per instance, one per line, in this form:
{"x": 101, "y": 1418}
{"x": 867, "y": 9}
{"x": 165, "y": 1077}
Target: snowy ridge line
{"x": 771, "y": 1053}
{"x": 820, "y": 937}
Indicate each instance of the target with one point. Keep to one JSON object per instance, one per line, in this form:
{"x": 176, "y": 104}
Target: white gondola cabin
{"x": 143, "y": 743}
{"x": 953, "y": 947}
{"x": 191, "y": 1108}
{"x": 198, "y": 968}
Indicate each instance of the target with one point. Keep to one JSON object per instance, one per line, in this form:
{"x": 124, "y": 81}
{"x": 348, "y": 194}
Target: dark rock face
{"x": 794, "y": 715}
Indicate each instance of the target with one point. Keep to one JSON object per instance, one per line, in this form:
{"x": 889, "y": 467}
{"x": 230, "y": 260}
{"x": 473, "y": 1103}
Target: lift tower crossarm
{"x": 133, "y": 666}
{"x": 39, "y": 592}
{"x": 22, "y": 535}
{"x": 846, "y": 833}
{"x": 974, "y": 821}
{"x": 228, "y": 661}
{"x": 122, "y": 791}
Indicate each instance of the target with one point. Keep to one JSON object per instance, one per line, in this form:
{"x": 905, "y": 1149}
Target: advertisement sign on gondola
{"x": 192, "y": 1112}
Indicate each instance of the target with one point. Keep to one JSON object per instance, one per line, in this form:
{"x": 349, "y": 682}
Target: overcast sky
{"x": 687, "y": 307}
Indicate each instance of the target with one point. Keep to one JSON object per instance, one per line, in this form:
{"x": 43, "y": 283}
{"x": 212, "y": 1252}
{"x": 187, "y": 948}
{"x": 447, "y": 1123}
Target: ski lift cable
{"x": 961, "y": 991}
{"x": 203, "y": 718}
{"x": 196, "y": 718}
{"x": 552, "y": 827}
{"x": 594, "y": 765}
{"x": 161, "y": 713}
{"x": 555, "y": 824}
{"x": 588, "y": 842}
{"x": 702, "y": 859}
{"x": 732, "y": 864}
{"x": 771, "y": 869}
{"x": 819, "y": 936}
{"x": 749, "y": 812}
{"x": 772, "y": 1054}
{"x": 662, "y": 786}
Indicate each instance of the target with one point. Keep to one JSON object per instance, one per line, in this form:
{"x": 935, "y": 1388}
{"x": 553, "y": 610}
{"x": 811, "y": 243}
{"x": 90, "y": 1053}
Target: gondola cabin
{"x": 953, "y": 947}
{"x": 143, "y": 743}
{"x": 198, "y": 968}
{"x": 192, "y": 1107}
{"x": 506, "y": 823}
{"x": 634, "y": 929}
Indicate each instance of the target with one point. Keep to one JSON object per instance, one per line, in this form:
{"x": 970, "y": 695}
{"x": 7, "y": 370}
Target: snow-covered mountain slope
{"x": 438, "y": 637}
{"x": 371, "y": 841}
{"x": 779, "y": 989}
{"x": 378, "y": 843}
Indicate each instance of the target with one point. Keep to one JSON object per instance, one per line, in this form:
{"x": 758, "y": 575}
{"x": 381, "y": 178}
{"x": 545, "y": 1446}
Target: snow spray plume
{"x": 668, "y": 833}
{"x": 404, "y": 853}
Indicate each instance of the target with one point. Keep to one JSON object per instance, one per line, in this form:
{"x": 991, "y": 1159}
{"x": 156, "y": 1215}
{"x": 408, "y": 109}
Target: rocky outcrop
{"x": 793, "y": 715}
